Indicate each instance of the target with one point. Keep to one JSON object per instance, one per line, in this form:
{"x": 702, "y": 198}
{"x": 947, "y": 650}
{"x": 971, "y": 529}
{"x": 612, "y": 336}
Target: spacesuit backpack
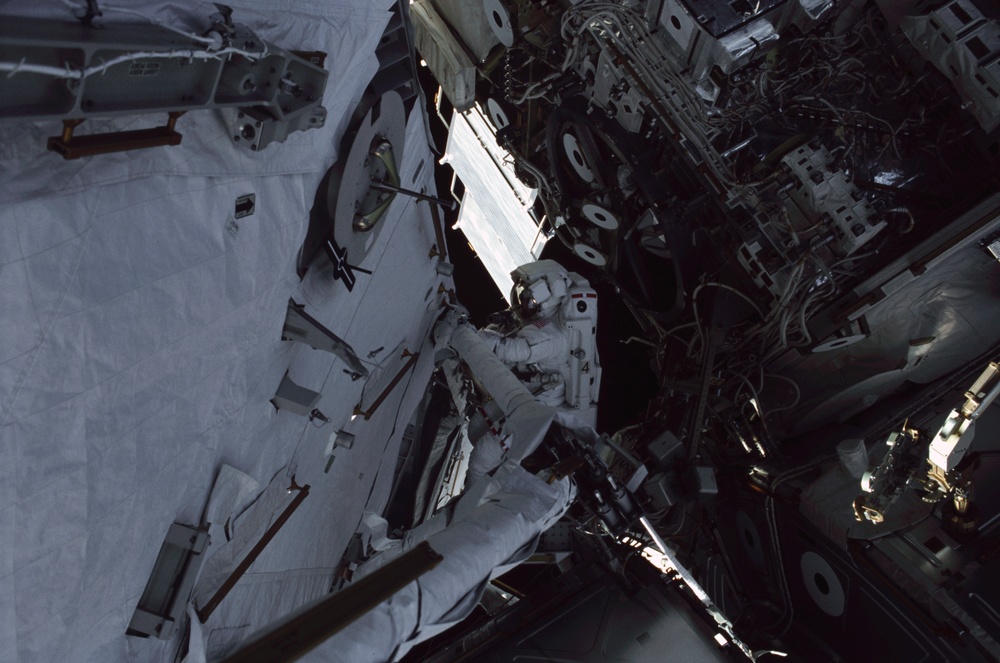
{"x": 579, "y": 316}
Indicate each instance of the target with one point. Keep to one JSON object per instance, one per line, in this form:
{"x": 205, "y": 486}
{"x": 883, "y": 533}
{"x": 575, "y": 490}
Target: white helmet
{"x": 539, "y": 290}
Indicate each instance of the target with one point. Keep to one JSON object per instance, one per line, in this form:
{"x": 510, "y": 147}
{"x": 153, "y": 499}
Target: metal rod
{"x": 657, "y": 539}
{"x": 711, "y": 345}
{"x": 988, "y": 523}
{"x": 206, "y": 611}
{"x": 385, "y": 186}
{"x": 392, "y": 385}
{"x": 635, "y": 462}
{"x": 439, "y": 234}
{"x": 338, "y": 346}
{"x": 672, "y": 561}
{"x": 306, "y": 629}
{"x": 721, "y": 621}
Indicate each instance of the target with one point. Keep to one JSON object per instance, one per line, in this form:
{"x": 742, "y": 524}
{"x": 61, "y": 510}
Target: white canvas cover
{"x": 140, "y": 345}
{"x": 494, "y": 527}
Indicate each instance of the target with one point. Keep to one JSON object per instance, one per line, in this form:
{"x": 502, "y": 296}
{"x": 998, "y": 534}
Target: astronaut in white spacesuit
{"x": 553, "y": 352}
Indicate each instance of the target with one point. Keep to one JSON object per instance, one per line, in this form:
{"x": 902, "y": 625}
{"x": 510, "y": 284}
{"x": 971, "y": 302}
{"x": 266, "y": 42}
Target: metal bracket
{"x": 74, "y": 147}
{"x": 411, "y": 359}
{"x": 164, "y": 599}
{"x": 381, "y": 149}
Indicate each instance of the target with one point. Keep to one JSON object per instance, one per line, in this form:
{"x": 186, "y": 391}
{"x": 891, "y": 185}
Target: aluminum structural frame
{"x": 73, "y": 71}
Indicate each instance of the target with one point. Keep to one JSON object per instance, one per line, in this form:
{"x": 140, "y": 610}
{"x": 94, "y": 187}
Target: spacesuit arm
{"x": 510, "y": 350}
{"x": 528, "y": 346}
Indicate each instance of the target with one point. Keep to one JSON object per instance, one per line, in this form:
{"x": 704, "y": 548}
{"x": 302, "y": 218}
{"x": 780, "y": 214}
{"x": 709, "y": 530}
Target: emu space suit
{"x": 553, "y": 352}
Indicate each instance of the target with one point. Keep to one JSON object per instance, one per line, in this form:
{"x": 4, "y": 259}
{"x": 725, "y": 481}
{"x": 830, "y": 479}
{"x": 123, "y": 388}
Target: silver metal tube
{"x": 986, "y": 402}
{"x": 681, "y": 571}
{"x": 385, "y": 186}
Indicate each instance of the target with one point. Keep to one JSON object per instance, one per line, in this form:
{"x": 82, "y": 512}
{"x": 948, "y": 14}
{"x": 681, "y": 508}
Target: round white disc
{"x": 574, "y": 154}
{"x": 823, "y": 584}
{"x": 497, "y": 115}
{"x": 354, "y": 181}
{"x": 499, "y": 21}
{"x": 600, "y": 217}
{"x": 837, "y": 343}
{"x": 750, "y": 538}
{"x": 591, "y": 255}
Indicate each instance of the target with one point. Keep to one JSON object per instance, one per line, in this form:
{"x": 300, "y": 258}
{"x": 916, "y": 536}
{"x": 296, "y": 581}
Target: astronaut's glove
{"x": 458, "y": 309}
{"x": 447, "y": 324}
